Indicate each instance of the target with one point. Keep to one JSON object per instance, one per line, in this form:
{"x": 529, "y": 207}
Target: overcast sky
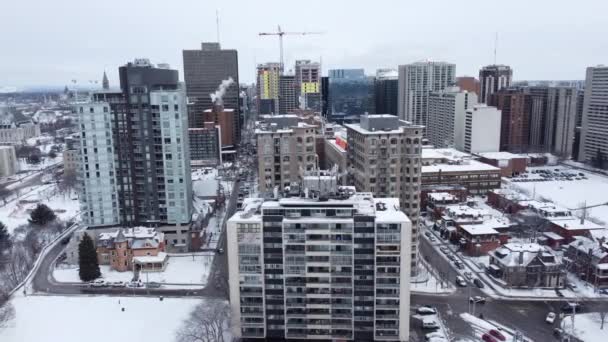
{"x": 50, "y": 42}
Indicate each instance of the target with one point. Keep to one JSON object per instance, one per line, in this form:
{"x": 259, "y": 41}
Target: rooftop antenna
{"x": 217, "y": 24}
{"x": 495, "y": 46}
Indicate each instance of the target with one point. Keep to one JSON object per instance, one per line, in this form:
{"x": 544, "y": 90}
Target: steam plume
{"x": 217, "y": 97}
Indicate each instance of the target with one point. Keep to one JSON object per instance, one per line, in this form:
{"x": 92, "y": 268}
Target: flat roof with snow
{"x": 466, "y": 166}
{"x": 478, "y": 229}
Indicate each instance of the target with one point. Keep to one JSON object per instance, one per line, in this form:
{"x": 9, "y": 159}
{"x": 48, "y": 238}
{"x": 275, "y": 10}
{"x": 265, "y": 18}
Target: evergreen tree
{"x": 41, "y": 215}
{"x": 5, "y": 238}
{"x": 87, "y": 259}
{"x": 52, "y": 154}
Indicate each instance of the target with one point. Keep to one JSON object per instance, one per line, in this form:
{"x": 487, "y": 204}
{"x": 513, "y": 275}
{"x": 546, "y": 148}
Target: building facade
{"x": 492, "y": 78}
{"x": 481, "y": 130}
{"x": 562, "y": 106}
{"x": 446, "y": 114}
{"x": 350, "y": 92}
{"x": 268, "y": 78}
{"x": 384, "y": 159}
{"x": 8, "y": 161}
{"x": 594, "y": 133}
{"x": 204, "y": 71}
{"x": 416, "y": 82}
{"x": 18, "y": 133}
{"x": 308, "y": 81}
{"x": 303, "y": 268}
{"x": 468, "y": 83}
{"x": 386, "y": 91}
{"x": 205, "y": 145}
{"x": 128, "y": 249}
{"x": 515, "y": 120}
{"x": 288, "y": 98}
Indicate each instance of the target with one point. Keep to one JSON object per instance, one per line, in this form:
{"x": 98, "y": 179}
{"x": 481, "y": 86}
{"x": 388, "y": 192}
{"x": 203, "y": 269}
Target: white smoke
{"x": 217, "y": 97}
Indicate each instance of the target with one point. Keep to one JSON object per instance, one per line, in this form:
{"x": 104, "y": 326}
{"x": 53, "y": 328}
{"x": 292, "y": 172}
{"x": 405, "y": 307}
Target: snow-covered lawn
{"x": 14, "y": 213}
{"x": 587, "y": 327}
{"x": 95, "y": 319}
{"x": 570, "y": 194}
{"x": 185, "y": 269}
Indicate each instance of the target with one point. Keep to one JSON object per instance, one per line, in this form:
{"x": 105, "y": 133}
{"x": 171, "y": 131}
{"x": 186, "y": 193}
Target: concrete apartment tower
{"x": 144, "y": 153}
{"x": 325, "y": 264}
{"x": 288, "y": 98}
{"x": 492, "y": 78}
{"x": 416, "y": 82}
{"x": 446, "y": 115}
{"x": 204, "y": 71}
{"x": 481, "y": 130}
{"x": 384, "y": 155}
{"x": 594, "y": 134}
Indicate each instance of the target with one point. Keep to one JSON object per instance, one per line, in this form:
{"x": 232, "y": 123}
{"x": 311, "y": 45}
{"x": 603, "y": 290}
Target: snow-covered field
{"x": 187, "y": 270}
{"x": 570, "y": 194}
{"x": 14, "y": 214}
{"x": 587, "y": 327}
{"x": 95, "y": 319}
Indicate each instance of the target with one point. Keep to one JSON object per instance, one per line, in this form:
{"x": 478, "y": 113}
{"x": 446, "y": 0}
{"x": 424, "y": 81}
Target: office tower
{"x": 325, "y": 96}
{"x": 446, "y": 114}
{"x": 350, "y": 92}
{"x": 416, "y": 81}
{"x": 105, "y": 84}
{"x": 308, "y": 80}
{"x": 384, "y": 154}
{"x": 205, "y": 145}
{"x": 468, "y": 83}
{"x": 149, "y": 130}
{"x": 330, "y": 265}
{"x": 492, "y": 78}
{"x": 482, "y": 129}
{"x": 288, "y": 99}
{"x": 562, "y": 105}
{"x": 514, "y": 128}
{"x": 204, "y": 71}
{"x": 268, "y": 76}
{"x": 97, "y": 176}
{"x": 536, "y": 98}
{"x": 594, "y": 134}
{"x": 284, "y": 146}
{"x": 386, "y": 91}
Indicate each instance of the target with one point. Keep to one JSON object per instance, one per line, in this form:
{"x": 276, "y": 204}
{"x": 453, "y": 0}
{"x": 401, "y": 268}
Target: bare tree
{"x": 7, "y": 312}
{"x": 208, "y": 322}
{"x": 68, "y": 181}
{"x": 18, "y": 266}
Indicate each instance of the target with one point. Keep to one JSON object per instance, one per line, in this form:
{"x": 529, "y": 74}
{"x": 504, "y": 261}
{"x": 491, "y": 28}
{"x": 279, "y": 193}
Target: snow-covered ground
{"x": 13, "y": 214}
{"x": 570, "y": 194}
{"x": 481, "y": 326}
{"x": 95, "y": 319}
{"x": 427, "y": 282}
{"x": 205, "y": 184}
{"x": 186, "y": 270}
{"x": 587, "y": 327}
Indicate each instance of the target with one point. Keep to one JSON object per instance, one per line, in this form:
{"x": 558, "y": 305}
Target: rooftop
{"x": 573, "y": 223}
{"x": 463, "y": 166}
{"x": 479, "y": 229}
{"x": 500, "y": 155}
{"x": 332, "y": 143}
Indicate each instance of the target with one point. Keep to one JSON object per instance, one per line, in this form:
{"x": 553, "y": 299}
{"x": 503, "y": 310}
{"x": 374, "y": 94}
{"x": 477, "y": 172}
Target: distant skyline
{"x": 52, "y": 42}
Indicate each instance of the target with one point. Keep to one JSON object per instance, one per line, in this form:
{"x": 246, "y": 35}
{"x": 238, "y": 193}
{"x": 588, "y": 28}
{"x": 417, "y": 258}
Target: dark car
{"x": 488, "y": 338}
{"x": 571, "y": 308}
{"x": 478, "y": 283}
{"x": 497, "y": 334}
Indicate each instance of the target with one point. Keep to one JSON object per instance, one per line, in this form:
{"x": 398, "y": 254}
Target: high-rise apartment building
{"x": 562, "y": 106}
{"x": 144, "y": 153}
{"x": 322, "y": 265}
{"x": 416, "y": 81}
{"x": 446, "y": 114}
{"x": 481, "y": 129}
{"x": 284, "y": 148}
{"x": 308, "y": 81}
{"x": 384, "y": 155}
{"x": 536, "y": 106}
{"x": 288, "y": 98}
{"x": 386, "y": 91}
{"x": 204, "y": 71}
{"x": 468, "y": 83}
{"x": 594, "y": 134}
{"x": 515, "y": 121}
{"x": 268, "y": 78}
{"x": 492, "y": 78}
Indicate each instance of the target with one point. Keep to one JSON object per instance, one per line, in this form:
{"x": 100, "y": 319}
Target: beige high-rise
{"x": 384, "y": 155}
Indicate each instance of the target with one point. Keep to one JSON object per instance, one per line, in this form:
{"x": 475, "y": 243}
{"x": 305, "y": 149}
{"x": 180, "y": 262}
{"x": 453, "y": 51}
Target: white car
{"x": 98, "y": 283}
{"x": 550, "y": 317}
{"x": 429, "y": 323}
{"x": 426, "y": 310}
{"x": 434, "y": 336}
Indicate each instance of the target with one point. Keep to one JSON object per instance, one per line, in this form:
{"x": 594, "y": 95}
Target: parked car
{"x": 451, "y": 257}
{"x": 427, "y": 234}
{"x": 459, "y": 264}
{"x": 117, "y": 284}
{"x": 497, "y": 335}
{"x": 153, "y": 285}
{"x": 444, "y": 250}
{"x": 98, "y": 283}
{"x": 429, "y": 323}
{"x": 437, "y": 339}
{"x": 550, "y": 317}
{"x": 604, "y": 291}
{"x": 460, "y": 281}
{"x": 220, "y": 251}
{"x": 477, "y": 300}
{"x": 135, "y": 284}
{"x": 434, "y": 335}
{"x": 426, "y": 310}
{"x": 488, "y": 338}
{"x": 571, "y": 307}
{"x": 432, "y": 239}
{"x": 478, "y": 283}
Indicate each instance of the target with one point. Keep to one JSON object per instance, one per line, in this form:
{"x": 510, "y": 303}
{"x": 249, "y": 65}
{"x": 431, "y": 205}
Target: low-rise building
{"x": 436, "y": 202}
{"x": 336, "y": 155}
{"x": 588, "y": 259}
{"x": 510, "y": 164}
{"x": 527, "y": 265}
{"x": 571, "y": 227}
{"x": 8, "y": 161}
{"x": 136, "y": 249}
{"x": 71, "y": 159}
{"x": 17, "y": 133}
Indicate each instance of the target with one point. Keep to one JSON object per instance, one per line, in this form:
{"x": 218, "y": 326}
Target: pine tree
{"x": 87, "y": 259}
{"x": 5, "y": 238}
{"x": 41, "y": 215}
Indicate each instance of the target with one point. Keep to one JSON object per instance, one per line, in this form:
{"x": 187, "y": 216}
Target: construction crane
{"x": 281, "y": 33}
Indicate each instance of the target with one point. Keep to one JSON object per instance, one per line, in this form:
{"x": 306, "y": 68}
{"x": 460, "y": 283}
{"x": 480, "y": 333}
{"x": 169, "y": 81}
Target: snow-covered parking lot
{"x": 95, "y": 319}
